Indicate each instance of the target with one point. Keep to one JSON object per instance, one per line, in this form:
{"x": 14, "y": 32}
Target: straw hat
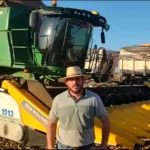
{"x": 74, "y": 71}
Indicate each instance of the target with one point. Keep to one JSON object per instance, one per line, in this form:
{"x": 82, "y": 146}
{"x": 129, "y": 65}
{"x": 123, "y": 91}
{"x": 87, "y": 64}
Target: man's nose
{"x": 74, "y": 81}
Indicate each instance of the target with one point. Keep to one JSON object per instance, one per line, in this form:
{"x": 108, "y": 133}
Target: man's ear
{"x": 66, "y": 82}
{"x": 83, "y": 79}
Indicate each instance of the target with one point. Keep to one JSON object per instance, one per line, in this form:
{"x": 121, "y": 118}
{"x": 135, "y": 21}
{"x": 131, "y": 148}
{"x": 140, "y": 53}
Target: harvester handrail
{"x": 12, "y": 30}
{"x": 11, "y": 39}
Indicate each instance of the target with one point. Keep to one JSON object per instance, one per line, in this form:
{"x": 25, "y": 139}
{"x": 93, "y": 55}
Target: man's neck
{"x": 77, "y": 96}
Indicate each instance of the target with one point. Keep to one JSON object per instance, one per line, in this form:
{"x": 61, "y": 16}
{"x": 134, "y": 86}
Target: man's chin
{"x": 75, "y": 91}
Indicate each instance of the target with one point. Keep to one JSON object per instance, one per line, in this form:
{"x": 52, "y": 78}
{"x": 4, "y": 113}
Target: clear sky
{"x": 129, "y": 21}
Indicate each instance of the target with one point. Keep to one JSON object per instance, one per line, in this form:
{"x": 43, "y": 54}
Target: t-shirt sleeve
{"x": 100, "y": 108}
{"x": 53, "y": 114}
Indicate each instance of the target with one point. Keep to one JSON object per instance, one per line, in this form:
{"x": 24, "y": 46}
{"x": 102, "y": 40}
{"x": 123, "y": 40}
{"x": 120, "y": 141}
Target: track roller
{"x": 112, "y": 99}
{"x": 124, "y": 98}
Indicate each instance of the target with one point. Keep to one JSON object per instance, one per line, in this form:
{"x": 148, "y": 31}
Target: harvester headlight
{"x": 96, "y": 13}
{"x": 26, "y": 71}
{"x": 83, "y": 14}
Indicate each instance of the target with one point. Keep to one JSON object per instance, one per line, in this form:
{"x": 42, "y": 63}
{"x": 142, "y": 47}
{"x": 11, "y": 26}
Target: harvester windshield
{"x": 63, "y": 39}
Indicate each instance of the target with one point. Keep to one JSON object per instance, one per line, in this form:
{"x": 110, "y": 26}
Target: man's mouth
{"x": 75, "y": 87}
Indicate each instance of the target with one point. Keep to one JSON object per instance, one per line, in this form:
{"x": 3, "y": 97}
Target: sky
{"x": 129, "y": 21}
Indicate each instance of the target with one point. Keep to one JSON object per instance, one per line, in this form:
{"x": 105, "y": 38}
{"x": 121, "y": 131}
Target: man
{"x": 75, "y": 110}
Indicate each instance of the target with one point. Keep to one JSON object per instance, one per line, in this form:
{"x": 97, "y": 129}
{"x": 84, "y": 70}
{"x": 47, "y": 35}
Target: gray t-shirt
{"x": 76, "y": 118}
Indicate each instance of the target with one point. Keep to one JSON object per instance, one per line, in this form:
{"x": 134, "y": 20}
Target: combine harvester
{"x": 37, "y": 43}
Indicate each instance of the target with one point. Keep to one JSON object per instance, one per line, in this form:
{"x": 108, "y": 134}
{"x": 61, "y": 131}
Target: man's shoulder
{"x": 92, "y": 94}
{"x": 60, "y": 95}
{"x": 96, "y": 98}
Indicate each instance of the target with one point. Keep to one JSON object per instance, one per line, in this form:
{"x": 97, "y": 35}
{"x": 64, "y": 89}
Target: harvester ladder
{"x": 18, "y": 47}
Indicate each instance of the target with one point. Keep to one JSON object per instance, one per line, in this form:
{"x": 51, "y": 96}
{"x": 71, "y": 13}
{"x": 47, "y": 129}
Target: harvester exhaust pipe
{"x": 54, "y": 3}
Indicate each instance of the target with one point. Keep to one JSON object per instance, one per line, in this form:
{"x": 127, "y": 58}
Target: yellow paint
{"x": 146, "y": 83}
{"x": 130, "y": 111}
{"x": 119, "y": 114}
{"x": 125, "y": 130}
{"x": 95, "y": 13}
{"x": 146, "y": 107}
{"x": 134, "y": 110}
{"x": 142, "y": 111}
{"x": 113, "y": 138}
{"x": 127, "y": 127}
{"x": 20, "y": 95}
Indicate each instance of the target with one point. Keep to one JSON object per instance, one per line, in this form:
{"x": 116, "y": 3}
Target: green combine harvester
{"x": 37, "y": 44}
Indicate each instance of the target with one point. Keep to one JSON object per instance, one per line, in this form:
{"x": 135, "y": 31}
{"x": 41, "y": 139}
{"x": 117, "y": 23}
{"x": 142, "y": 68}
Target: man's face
{"x": 75, "y": 84}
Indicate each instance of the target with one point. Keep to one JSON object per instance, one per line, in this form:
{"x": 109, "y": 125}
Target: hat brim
{"x": 85, "y": 76}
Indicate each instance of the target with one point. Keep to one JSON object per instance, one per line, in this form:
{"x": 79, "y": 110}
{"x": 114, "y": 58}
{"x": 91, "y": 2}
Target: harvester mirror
{"x": 102, "y": 36}
{"x": 33, "y": 19}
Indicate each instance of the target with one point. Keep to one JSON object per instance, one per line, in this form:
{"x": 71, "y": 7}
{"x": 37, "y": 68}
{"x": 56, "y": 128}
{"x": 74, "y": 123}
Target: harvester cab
{"x": 62, "y": 36}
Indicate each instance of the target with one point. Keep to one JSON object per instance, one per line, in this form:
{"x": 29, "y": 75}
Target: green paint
{"x": 23, "y": 47}
{"x": 5, "y": 54}
{"x": 27, "y": 76}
